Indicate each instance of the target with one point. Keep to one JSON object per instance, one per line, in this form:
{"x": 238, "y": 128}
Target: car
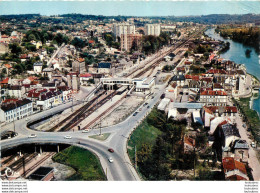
{"x": 145, "y": 104}
{"x": 27, "y": 119}
{"x": 148, "y": 107}
{"x": 253, "y": 144}
{"x": 152, "y": 97}
{"x": 32, "y": 136}
{"x": 244, "y": 125}
{"x": 140, "y": 109}
{"x": 67, "y": 137}
{"x": 85, "y": 131}
{"x": 135, "y": 113}
{"x": 110, "y": 150}
{"x": 110, "y": 159}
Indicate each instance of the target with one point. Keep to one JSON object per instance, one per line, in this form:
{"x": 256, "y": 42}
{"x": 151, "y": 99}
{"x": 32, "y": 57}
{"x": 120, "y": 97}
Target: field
{"x": 86, "y": 164}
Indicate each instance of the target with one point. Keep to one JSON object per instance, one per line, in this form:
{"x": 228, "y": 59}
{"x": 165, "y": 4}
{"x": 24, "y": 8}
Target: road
{"x": 121, "y": 168}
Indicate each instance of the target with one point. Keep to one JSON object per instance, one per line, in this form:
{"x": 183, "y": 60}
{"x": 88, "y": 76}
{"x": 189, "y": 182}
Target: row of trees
{"x": 151, "y": 44}
{"x": 247, "y": 36}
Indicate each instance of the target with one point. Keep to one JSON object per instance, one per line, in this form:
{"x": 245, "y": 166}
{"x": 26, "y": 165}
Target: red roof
{"x": 216, "y": 71}
{"x": 32, "y": 78}
{"x": 91, "y": 41}
{"x": 213, "y": 93}
{"x": 86, "y": 75}
{"x": 193, "y": 77}
{"x": 10, "y": 100}
{"x": 214, "y": 109}
{"x": 189, "y": 141}
{"x": 5, "y": 81}
{"x": 229, "y": 164}
{"x": 8, "y": 66}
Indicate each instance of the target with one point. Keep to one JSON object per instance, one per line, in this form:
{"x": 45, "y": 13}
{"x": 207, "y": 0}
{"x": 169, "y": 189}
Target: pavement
{"x": 252, "y": 160}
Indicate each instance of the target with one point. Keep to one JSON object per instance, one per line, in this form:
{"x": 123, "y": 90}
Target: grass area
{"x": 144, "y": 134}
{"x": 86, "y": 164}
{"x": 102, "y": 137}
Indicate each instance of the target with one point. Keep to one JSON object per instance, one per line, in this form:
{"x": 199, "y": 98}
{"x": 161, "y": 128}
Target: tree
{"x": 15, "y": 48}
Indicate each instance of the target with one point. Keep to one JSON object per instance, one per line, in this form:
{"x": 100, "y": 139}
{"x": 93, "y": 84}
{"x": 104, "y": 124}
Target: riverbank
{"x": 236, "y": 54}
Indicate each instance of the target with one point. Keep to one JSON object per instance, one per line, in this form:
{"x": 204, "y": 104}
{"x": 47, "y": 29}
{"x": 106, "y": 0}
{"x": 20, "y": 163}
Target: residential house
{"x": 12, "y": 110}
{"x": 234, "y": 170}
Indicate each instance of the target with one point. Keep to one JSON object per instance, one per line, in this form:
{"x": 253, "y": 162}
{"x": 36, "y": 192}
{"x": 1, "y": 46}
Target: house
{"x": 84, "y": 78}
{"x": 16, "y": 90}
{"x": 234, "y": 170}
{"x": 229, "y": 134}
{"x": 104, "y": 67}
{"x": 241, "y": 149}
{"x": 188, "y": 144}
{"x": 210, "y": 112}
{"x": 12, "y": 110}
{"x": 179, "y": 79}
{"x": 37, "y": 67}
{"x": 213, "y": 98}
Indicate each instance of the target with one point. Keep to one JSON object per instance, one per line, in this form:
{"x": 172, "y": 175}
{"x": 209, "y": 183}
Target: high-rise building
{"x": 129, "y": 40}
{"x": 152, "y": 29}
{"x": 122, "y": 28}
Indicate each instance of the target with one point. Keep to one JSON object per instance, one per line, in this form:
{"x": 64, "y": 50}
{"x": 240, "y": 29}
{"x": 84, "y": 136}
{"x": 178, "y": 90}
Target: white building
{"x": 122, "y": 28}
{"x": 152, "y": 29}
{"x": 37, "y": 67}
{"x": 15, "y": 110}
{"x": 16, "y": 91}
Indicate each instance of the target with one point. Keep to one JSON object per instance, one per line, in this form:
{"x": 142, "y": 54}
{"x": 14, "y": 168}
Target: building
{"x": 145, "y": 84}
{"x": 16, "y": 91}
{"x": 213, "y": 98}
{"x": 152, "y": 29}
{"x": 122, "y": 28}
{"x": 104, "y": 67}
{"x": 234, "y": 170}
{"x": 129, "y": 41}
{"x": 84, "y": 78}
{"x": 241, "y": 148}
{"x": 73, "y": 81}
{"x": 37, "y": 67}
{"x": 12, "y": 110}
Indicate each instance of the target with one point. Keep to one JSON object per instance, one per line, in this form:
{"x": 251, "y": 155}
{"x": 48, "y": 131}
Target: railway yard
{"x": 106, "y": 107}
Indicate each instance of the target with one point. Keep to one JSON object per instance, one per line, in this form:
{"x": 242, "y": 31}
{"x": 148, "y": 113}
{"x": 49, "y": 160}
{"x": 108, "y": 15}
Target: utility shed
{"x": 42, "y": 174}
{"x": 163, "y": 104}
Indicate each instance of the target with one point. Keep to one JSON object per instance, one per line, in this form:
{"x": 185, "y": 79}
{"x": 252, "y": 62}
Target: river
{"x": 236, "y": 53}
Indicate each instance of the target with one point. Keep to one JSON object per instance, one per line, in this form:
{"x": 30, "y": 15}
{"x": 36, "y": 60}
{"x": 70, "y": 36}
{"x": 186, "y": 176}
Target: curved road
{"x": 120, "y": 169}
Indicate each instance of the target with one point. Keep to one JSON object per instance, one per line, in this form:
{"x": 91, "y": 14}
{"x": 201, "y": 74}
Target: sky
{"x": 130, "y": 7}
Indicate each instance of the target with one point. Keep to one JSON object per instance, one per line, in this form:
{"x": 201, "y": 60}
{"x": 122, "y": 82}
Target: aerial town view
{"x": 130, "y": 92}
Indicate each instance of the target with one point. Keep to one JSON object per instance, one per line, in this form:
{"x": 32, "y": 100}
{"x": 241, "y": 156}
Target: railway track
{"x": 76, "y": 113}
{"x": 17, "y": 165}
{"x": 38, "y": 163}
{"x": 85, "y": 112}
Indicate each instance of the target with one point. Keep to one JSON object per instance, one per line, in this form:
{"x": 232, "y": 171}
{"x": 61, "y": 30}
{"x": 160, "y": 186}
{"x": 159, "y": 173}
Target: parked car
{"x": 135, "y": 113}
{"x": 85, "y": 131}
{"x": 32, "y": 136}
{"x": 67, "y": 137}
{"x": 253, "y": 145}
{"x": 244, "y": 125}
{"x": 111, "y": 150}
{"x": 110, "y": 160}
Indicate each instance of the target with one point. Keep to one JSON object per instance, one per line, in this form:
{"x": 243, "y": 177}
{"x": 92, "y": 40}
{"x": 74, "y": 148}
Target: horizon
{"x": 130, "y": 8}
